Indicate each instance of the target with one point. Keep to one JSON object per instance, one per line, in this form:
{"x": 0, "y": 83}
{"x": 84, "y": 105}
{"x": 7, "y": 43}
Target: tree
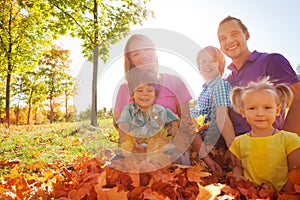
{"x": 30, "y": 89}
{"x": 53, "y": 65}
{"x": 22, "y": 38}
{"x": 100, "y": 24}
{"x": 69, "y": 90}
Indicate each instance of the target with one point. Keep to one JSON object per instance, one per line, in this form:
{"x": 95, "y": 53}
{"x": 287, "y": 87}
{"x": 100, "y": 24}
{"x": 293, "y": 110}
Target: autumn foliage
{"x": 93, "y": 178}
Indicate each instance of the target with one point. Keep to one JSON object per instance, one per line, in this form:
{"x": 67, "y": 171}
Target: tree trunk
{"x": 29, "y": 107}
{"x": 17, "y": 115}
{"x": 94, "y": 88}
{"x": 95, "y": 67}
{"x": 7, "y": 99}
{"x": 28, "y": 114}
{"x": 66, "y": 93}
{"x": 51, "y": 110}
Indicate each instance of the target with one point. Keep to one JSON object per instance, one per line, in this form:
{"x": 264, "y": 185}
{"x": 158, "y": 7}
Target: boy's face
{"x": 208, "y": 67}
{"x": 144, "y": 96}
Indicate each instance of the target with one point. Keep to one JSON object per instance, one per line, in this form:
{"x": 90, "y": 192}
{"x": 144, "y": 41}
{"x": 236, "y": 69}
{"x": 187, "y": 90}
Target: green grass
{"x": 57, "y": 143}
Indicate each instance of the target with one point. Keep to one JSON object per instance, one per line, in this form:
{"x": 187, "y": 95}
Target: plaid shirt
{"x": 214, "y": 94}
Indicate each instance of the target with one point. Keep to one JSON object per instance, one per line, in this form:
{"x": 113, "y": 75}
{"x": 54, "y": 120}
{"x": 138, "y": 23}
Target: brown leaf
{"x": 297, "y": 188}
{"x": 135, "y": 179}
{"x": 112, "y": 177}
{"x": 80, "y": 193}
{"x": 136, "y": 193}
{"x": 113, "y": 194}
{"x": 294, "y": 175}
{"x": 195, "y": 173}
{"x": 285, "y": 196}
{"x": 166, "y": 189}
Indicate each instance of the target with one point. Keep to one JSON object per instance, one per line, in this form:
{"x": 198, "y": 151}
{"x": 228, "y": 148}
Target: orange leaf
{"x": 111, "y": 194}
{"x": 297, "y": 188}
{"x": 14, "y": 173}
{"x": 81, "y": 192}
{"x": 195, "y": 173}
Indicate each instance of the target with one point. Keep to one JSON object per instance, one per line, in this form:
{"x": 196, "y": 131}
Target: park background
{"x": 273, "y": 27}
{"x": 39, "y": 153}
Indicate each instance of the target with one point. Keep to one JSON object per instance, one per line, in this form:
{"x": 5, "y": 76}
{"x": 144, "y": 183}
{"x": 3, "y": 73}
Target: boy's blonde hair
{"x": 138, "y": 77}
{"x": 213, "y": 53}
{"x": 282, "y": 93}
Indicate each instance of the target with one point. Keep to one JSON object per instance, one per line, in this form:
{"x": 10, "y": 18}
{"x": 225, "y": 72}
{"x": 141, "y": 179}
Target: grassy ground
{"x": 31, "y": 146}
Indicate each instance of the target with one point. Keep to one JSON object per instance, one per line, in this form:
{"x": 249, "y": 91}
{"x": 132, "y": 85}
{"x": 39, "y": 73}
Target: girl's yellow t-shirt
{"x": 264, "y": 159}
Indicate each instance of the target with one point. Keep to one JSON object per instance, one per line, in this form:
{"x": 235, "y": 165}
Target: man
{"x": 249, "y": 66}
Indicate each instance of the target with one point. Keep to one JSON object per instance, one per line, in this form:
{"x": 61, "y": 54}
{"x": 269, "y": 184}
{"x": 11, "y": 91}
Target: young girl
{"x": 265, "y": 154}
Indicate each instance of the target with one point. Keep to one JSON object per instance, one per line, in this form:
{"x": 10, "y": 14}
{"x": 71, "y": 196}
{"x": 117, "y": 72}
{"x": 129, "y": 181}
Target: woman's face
{"x": 143, "y": 55}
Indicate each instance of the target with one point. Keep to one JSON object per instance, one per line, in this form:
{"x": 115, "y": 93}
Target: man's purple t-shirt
{"x": 172, "y": 92}
{"x": 258, "y": 65}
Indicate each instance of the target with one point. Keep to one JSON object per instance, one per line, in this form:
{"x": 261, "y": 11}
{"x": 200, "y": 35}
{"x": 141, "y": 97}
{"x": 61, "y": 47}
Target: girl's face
{"x": 208, "y": 66}
{"x": 260, "y": 110}
{"x": 144, "y": 96}
{"x": 143, "y": 55}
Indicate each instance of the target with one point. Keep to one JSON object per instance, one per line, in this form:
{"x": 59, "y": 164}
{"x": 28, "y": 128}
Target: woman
{"x": 140, "y": 52}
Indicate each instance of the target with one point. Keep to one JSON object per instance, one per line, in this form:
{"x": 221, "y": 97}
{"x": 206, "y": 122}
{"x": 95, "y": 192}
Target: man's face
{"x": 232, "y": 39}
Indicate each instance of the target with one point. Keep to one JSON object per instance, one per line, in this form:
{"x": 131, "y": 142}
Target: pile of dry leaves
{"x": 92, "y": 178}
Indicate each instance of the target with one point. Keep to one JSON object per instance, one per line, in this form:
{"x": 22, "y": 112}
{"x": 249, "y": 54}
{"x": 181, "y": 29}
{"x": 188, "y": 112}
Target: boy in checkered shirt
{"x": 214, "y": 100}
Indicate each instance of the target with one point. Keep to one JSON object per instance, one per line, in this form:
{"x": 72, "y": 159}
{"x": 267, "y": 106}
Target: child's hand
{"x": 240, "y": 178}
{"x": 202, "y": 128}
{"x": 172, "y": 130}
{"x": 215, "y": 167}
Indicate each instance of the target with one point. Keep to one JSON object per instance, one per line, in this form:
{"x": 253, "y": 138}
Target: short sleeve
{"x": 125, "y": 115}
{"x": 171, "y": 116}
{"x": 280, "y": 70}
{"x": 221, "y": 94}
{"x": 292, "y": 141}
{"x": 235, "y": 148}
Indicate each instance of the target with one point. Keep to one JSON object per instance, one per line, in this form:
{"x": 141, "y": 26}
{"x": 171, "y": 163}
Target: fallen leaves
{"x": 92, "y": 178}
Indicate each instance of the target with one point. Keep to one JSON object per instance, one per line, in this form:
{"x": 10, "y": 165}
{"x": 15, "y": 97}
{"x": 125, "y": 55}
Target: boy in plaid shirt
{"x": 214, "y": 100}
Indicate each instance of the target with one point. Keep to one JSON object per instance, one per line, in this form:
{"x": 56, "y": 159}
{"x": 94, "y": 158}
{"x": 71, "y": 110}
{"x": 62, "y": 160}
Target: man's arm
{"x": 292, "y": 122}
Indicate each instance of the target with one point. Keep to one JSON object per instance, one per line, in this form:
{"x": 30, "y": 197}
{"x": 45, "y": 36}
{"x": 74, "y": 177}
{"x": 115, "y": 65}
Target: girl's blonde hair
{"x": 213, "y": 53}
{"x": 282, "y": 93}
{"x": 128, "y": 65}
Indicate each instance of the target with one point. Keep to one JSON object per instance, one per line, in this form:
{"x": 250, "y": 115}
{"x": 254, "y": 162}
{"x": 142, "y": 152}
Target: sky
{"x": 274, "y": 26}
